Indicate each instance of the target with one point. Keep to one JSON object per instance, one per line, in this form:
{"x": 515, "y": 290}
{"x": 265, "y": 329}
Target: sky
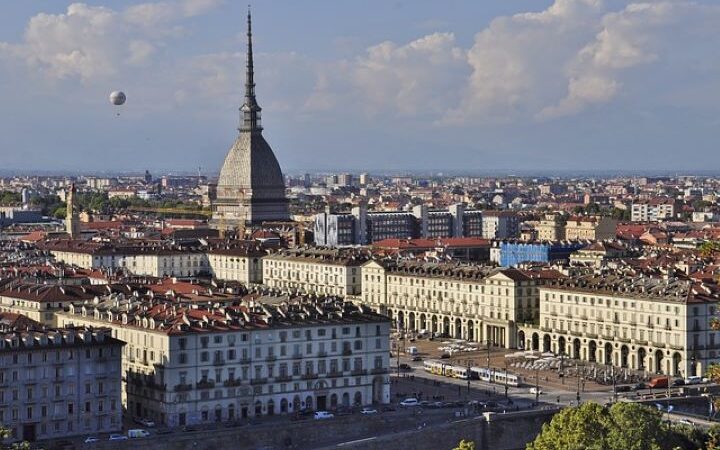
{"x": 378, "y": 85}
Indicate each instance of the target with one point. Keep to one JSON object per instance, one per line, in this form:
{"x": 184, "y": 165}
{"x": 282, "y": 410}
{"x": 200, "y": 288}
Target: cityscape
{"x": 492, "y": 281}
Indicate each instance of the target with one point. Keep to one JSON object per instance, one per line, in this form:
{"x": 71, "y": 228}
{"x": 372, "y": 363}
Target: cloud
{"x": 91, "y": 42}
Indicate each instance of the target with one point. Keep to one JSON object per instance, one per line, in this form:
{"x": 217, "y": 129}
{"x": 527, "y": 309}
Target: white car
{"x": 91, "y": 439}
{"x": 368, "y": 411}
{"x": 410, "y": 402}
{"x": 321, "y": 415}
{"x": 147, "y": 422}
{"x": 536, "y": 391}
{"x": 118, "y": 437}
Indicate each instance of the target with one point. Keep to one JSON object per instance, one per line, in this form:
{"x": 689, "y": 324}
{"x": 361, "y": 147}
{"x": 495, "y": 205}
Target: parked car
{"x": 322, "y": 415}
{"x": 138, "y": 433}
{"x": 410, "y": 402}
{"x": 91, "y": 439}
{"x": 445, "y": 356}
{"x": 368, "y": 411}
{"x": 117, "y": 437}
{"x": 145, "y": 422}
{"x": 417, "y": 358}
{"x": 536, "y": 391}
{"x": 693, "y": 380}
{"x": 405, "y": 367}
{"x": 678, "y": 382}
{"x": 640, "y": 386}
{"x": 623, "y": 388}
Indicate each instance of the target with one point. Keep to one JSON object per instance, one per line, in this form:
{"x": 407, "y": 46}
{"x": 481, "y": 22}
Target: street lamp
{"x": 561, "y": 372}
{"x": 577, "y": 394}
{"x": 537, "y": 385}
{"x": 506, "y": 379}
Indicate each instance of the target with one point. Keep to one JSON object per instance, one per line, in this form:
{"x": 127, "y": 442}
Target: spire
{"x": 250, "y": 110}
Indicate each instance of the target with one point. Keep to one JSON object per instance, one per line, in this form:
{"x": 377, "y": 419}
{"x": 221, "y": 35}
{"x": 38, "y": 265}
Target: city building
{"x": 500, "y": 225}
{"x": 58, "y": 383}
{"x": 653, "y": 210}
{"x": 315, "y": 270}
{"x": 551, "y": 228}
{"x": 251, "y": 188}
{"x": 191, "y": 364}
{"x": 478, "y": 303}
{"x": 514, "y": 253}
{"x": 237, "y": 263}
{"x": 655, "y": 324}
{"x": 590, "y": 228}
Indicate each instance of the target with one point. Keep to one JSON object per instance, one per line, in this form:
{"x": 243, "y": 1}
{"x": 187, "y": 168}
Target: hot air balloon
{"x": 117, "y": 98}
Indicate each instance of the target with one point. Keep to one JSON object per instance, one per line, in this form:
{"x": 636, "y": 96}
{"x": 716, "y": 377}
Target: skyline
{"x": 525, "y": 87}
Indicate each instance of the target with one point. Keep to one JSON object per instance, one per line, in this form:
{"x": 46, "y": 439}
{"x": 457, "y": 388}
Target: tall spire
{"x": 250, "y": 110}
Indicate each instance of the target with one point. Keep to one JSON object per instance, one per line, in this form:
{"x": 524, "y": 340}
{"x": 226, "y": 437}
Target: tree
{"x": 623, "y": 426}
{"x": 465, "y": 445}
{"x": 4, "y": 434}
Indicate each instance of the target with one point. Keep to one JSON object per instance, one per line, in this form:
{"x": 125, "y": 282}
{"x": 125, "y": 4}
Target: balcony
{"x": 591, "y": 335}
{"x": 218, "y": 362}
{"x": 283, "y": 378}
{"x": 322, "y": 354}
{"x": 347, "y": 352}
{"x": 358, "y": 372}
{"x": 232, "y": 383}
{"x": 676, "y": 347}
{"x": 255, "y": 381}
{"x": 206, "y": 384}
{"x": 182, "y": 387}
{"x": 310, "y": 376}
{"x": 623, "y": 339}
{"x": 608, "y": 337}
{"x": 270, "y": 358}
{"x": 334, "y": 374}
{"x": 575, "y": 333}
{"x": 244, "y": 360}
{"x": 379, "y": 371}
{"x": 297, "y": 356}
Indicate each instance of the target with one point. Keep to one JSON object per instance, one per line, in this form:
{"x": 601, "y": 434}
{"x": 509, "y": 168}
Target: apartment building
{"x": 477, "y": 303}
{"x": 56, "y": 383}
{"x": 500, "y": 225}
{"x": 149, "y": 259}
{"x": 591, "y": 228}
{"x": 659, "y": 325}
{"x": 315, "y": 270}
{"x": 238, "y": 263}
{"x": 551, "y": 228}
{"x": 653, "y": 210}
{"x": 191, "y": 364}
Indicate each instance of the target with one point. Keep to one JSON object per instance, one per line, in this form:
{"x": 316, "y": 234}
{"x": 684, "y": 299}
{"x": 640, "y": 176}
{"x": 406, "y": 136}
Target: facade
{"x": 59, "y": 382}
{"x": 315, "y": 270}
{"x": 514, "y": 253}
{"x": 477, "y": 303}
{"x": 654, "y": 325}
{"x": 250, "y": 189}
{"x": 39, "y": 302}
{"x": 653, "y": 210}
{"x": 551, "y": 228}
{"x": 500, "y": 225}
{"x": 590, "y": 228}
{"x": 361, "y": 227}
{"x": 236, "y": 264}
{"x": 157, "y": 260}
{"x": 192, "y": 364}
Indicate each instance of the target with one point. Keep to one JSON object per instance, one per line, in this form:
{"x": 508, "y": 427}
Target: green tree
{"x": 465, "y": 445}
{"x": 624, "y": 426}
{"x": 4, "y": 434}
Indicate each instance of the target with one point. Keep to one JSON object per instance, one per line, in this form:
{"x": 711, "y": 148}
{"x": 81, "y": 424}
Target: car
{"x": 445, "y": 356}
{"x": 640, "y": 386}
{"x": 91, "y": 439}
{"x": 678, "y": 382}
{"x": 138, "y": 433}
{"x": 410, "y": 402}
{"x": 491, "y": 404}
{"x": 322, "y": 415}
{"x": 417, "y": 358}
{"x": 536, "y": 391}
{"x": 405, "y": 367}
{"x": 147, "y": 423}
{"x": 624, "y": 388}
{"x": 368, "y": 411}
{"x": 117, "y": 437}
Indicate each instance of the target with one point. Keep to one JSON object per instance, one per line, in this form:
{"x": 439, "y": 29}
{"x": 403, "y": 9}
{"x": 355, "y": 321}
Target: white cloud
{"x": 91, "y": 42}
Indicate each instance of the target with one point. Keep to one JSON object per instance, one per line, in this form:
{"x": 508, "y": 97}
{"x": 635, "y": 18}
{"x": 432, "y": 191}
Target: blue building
{"x": 515, "y": 253}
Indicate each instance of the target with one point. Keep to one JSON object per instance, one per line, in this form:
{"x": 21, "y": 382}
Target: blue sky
{"x": 492, "y": 85}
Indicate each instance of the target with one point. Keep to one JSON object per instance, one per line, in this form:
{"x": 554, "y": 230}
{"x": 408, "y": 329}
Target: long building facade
{"x": 656, "y": 325}
{"x": 477, "y": 303}
{"x": 191, "y": 364}
{"x": 57, "y": 383}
